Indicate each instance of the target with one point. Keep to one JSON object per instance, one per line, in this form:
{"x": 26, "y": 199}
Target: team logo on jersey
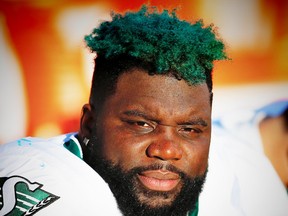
{"x": 19, "y": 196}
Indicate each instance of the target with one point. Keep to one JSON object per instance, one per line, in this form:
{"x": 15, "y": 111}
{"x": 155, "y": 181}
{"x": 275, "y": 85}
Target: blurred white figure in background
{"x": 248, "y": 168}
{"x": 12, "y": 94}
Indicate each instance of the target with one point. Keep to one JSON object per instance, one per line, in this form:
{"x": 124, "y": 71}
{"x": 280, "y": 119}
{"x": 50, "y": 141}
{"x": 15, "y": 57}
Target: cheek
{"x": 197, "y": 157}
{"x": 122, "y": 149}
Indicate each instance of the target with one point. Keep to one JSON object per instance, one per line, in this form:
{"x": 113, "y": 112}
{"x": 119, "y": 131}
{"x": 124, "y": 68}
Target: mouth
{"x": 159, "y": 180}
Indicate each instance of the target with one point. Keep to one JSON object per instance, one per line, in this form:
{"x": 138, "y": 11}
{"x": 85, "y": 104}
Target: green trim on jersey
{"x": 195, "y": 210}
{"x": 74, "y": 148}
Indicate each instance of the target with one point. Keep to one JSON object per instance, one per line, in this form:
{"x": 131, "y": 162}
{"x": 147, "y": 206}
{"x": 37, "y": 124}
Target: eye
{"x": 189, "y": 131}
{"x": 140, "y": 126}
{"x": 138, "y": 123}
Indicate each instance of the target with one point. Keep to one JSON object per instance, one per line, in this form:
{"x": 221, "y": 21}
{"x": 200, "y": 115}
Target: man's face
{"x": 154, "y": 131}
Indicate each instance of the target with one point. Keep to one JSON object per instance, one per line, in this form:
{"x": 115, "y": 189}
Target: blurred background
{"x": 45, "y": 68}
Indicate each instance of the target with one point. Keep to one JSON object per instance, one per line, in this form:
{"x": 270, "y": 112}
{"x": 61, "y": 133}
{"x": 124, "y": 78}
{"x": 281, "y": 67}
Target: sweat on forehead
{"x": 160, "y": 39}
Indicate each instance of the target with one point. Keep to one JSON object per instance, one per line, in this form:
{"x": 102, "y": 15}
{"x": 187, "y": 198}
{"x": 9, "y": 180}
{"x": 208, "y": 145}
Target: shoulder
{"x": 53, "y": 178}
{"x": 34, "y": 144}
{"x": 36, "y": 154}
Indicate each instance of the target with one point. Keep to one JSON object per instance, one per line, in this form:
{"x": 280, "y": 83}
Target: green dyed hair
{"x": 160, "y": 39}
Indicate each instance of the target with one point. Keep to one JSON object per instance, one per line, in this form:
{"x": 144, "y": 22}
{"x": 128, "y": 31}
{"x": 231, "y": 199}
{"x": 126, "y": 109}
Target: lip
{"x": 159, "y": 180}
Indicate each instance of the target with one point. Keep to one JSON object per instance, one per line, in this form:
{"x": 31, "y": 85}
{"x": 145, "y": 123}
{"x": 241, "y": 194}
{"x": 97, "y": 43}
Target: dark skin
{"x": 274, "y": 137}
{"x": 154, "y": 120}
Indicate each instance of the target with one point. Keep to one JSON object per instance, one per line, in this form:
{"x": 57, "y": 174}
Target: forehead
{"x": 159, "y": 92}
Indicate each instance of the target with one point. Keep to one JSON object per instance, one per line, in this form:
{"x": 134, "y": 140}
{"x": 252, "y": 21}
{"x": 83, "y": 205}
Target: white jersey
{"x": 41, "y": 177}
{"x": 241, "y": 180}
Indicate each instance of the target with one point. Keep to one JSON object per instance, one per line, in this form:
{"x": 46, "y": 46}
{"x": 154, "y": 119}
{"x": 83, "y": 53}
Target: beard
{"x": 135, "y": 199}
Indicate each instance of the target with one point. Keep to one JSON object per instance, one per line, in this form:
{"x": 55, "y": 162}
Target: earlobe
{"x": 87, "y": 121}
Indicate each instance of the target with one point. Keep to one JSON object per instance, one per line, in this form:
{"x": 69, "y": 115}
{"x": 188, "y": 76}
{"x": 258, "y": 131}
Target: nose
{"x": 164, "y": 147}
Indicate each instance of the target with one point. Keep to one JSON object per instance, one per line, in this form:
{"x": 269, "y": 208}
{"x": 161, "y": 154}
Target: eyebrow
{"x": 196, "y": 121}
{"x": 136, "y": 113}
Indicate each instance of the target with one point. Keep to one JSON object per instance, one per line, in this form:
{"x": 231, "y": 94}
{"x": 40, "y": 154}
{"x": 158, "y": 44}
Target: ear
{"x": 87, "y": 122}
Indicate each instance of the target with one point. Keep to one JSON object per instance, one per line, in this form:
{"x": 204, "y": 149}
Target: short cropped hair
{"x": 158, "y": 42}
